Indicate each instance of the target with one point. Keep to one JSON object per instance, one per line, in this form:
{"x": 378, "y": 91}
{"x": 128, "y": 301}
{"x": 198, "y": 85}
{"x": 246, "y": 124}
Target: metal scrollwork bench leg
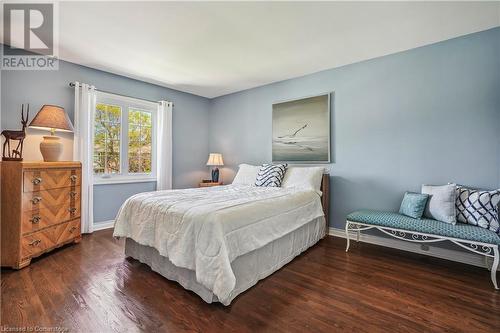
{"x": 347, "y": 236}
{"x": 494, "y": 268}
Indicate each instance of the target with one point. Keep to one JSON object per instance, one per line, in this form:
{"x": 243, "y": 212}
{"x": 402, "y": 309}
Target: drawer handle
{"x": 35, "y": 242}
{"x": 35, "y": 219}
{"x": 72, "y": 209}
{"x": 72, "y": 194}
{"x": 73, "y": 228}
{"x": 73, "y": 178}
{"x": 36, "y": 181}
{"x": 36, "y": 200}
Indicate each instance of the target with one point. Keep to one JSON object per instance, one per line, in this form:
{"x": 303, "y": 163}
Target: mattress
{"x": 248, "y": 268}
{"x": 205, "y": 230}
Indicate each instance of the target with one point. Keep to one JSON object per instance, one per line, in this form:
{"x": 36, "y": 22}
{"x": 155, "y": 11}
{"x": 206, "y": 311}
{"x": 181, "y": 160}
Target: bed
{"x": 220, "y": 241}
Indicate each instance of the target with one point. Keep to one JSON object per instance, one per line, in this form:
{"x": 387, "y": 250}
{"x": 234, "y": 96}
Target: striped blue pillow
{"x": 271, "y": 175}
{"x": 413, "y": 204}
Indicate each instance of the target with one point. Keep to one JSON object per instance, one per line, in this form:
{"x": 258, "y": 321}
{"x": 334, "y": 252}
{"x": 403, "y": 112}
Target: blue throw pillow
{"x": 413, "y": 204}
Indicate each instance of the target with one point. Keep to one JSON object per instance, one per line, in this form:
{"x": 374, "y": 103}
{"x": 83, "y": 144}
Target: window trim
{"x": 126, "y": 103}
{"x": 123, "y": 180}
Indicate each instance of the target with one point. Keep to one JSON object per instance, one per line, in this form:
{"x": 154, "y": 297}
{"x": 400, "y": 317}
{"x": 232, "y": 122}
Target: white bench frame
{"x": 485, "y": 249}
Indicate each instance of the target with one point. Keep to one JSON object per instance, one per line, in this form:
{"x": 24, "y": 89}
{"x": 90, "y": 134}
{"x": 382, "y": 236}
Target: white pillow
{"x": 308, "y": 178}
{"x": 246, "y": 174}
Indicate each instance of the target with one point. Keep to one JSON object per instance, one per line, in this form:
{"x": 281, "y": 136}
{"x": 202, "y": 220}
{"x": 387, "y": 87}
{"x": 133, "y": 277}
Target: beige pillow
{"x": 307, "y": 178}
{"x": 246, "y": 174}
{"x": 441, "y": 203}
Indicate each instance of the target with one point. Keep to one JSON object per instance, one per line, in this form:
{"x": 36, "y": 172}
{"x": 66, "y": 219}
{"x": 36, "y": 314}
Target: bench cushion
{"x": 426, "y": 226}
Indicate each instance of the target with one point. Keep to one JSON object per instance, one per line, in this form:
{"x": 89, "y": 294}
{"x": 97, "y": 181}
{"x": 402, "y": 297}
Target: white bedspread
{"x": 205, "y": 229}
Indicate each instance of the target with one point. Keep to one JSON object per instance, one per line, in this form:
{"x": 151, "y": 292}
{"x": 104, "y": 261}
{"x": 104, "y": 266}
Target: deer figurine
{"x": 16, "y": 154}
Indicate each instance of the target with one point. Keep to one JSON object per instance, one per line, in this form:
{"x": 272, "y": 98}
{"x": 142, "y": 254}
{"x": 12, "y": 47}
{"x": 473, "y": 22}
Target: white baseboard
{"x": 104, "y": 225}
{"x": 434, "y": 251}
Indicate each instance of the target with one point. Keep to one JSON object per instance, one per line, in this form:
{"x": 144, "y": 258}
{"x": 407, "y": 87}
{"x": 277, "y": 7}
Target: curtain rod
{"x": 72, "y": 84}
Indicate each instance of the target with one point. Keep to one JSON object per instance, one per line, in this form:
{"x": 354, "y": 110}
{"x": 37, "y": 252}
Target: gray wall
{"x": 190, "y": 117}
{"x": 109, "y": 198}
{"x": 428, "y": 115}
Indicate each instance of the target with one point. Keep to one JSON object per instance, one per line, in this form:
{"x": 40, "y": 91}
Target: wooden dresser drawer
{"x": 33, "y": 220}
{"x": 37, "y": 243}
{"x": 65, "y": 232}
{"x": 39, "y": 180}
{"x": 51, "y": 198}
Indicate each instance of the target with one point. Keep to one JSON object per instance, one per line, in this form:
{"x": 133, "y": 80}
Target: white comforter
{"x": 206, "y": 229}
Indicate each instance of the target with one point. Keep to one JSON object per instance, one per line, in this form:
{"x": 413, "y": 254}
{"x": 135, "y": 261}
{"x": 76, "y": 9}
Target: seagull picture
{"x": 301, "y": 129}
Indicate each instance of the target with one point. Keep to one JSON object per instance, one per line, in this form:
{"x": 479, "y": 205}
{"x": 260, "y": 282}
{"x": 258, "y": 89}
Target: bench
{"x": 476, "y": 239}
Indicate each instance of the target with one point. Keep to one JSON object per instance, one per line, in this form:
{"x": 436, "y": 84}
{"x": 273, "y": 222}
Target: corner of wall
{"x": 211, "y": 125}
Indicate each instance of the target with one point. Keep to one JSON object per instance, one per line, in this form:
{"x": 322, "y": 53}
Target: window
{"x": 124, "y": 139}
{"x": 107, "y": 122}
{"x": 139, "y": 141}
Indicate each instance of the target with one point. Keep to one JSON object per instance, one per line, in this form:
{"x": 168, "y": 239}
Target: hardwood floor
{"x": 91, "y": 287}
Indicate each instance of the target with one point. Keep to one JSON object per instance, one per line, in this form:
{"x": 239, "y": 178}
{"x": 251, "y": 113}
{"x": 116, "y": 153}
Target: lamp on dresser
{"x": 40, "y": 209}
{"x": 54, "y": 118}
{"x": 215, "y": 160}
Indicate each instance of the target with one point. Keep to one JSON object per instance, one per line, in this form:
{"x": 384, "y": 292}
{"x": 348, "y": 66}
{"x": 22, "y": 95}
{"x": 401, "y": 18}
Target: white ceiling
{"x": 212, "y": 49}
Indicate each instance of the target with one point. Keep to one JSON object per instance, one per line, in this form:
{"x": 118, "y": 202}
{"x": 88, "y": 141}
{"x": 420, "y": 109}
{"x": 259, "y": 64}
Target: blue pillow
{"x": 413, "y": 204}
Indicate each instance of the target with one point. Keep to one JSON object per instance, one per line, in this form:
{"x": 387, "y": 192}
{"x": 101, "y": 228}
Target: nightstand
{"x": 209, "y": 184}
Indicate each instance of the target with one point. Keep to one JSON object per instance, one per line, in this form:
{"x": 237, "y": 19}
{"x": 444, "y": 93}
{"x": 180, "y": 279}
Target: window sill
{"x": 123, "y": 180}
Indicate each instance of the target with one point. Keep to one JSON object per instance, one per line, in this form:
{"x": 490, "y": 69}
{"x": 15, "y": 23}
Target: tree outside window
{"x": 107, "y": 133}
{"x": 139, "y": 141}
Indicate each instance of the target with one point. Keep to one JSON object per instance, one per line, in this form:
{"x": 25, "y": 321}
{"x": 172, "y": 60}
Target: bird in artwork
{"x": 294, "y": 133}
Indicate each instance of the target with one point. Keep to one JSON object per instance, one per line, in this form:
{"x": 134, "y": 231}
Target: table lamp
{"x": 215, "y": 160}
{"x": 54, "y": 118}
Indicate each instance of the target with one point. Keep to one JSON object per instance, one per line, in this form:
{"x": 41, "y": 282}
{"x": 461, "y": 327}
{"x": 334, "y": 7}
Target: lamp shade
{"x": 215, "y": 159}
{"x": 52, "y": 117}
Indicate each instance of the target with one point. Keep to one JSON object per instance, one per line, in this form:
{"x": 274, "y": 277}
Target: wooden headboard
{"x": 325, "y": 198}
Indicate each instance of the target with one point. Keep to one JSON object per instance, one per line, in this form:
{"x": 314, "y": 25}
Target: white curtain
{"x": 85, "y": 100}
{"x": 164, "y": 146}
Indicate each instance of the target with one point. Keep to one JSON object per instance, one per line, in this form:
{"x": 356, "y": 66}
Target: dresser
{"x": 40, "y": 209}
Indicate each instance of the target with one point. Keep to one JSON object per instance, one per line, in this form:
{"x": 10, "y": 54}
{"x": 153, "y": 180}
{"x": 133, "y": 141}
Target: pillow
{"x": 270, "y": 175}
{"x": 478, "y": 207}
{"x": 441, "y": 203}
{"x": 308, "y": 178}
{"x": 246, "y": 174}
{"x": 413, "y": 204}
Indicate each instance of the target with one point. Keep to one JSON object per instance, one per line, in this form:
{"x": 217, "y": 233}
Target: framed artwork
{"x": 301, "y": 130}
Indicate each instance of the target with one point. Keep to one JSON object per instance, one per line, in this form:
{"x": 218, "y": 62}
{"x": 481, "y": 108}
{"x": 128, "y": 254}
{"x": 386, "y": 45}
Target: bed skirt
{"x": 248, "y": 269}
